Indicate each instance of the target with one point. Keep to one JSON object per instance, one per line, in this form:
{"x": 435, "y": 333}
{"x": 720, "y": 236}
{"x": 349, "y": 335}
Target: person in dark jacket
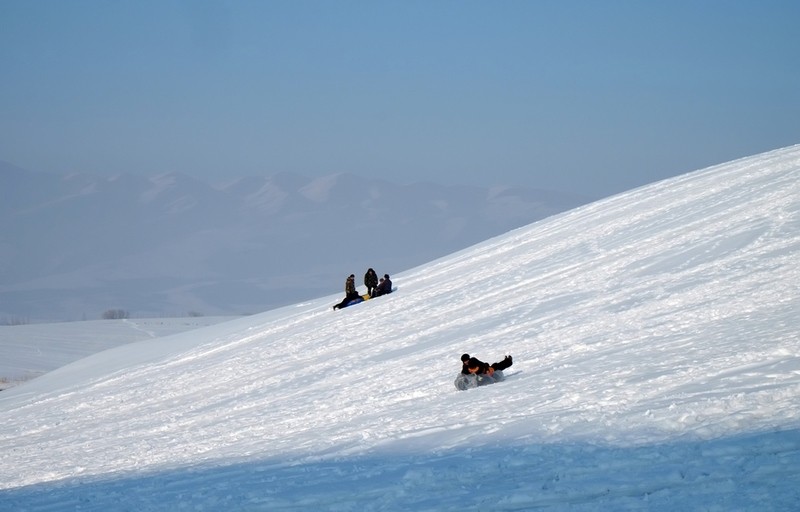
{"x": 475, "y": 372}
{"x": 371, "y": 281}
{"x": 350, "y": 292}
{"x": 476, "y": 366}
{"x": 384, "y": 286}
{"x": 464, "y": 363}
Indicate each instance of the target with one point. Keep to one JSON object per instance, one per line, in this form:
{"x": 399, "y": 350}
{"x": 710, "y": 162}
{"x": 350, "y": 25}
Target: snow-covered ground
{"x": 656, "y": 367}
{"x": 27, "y": 351}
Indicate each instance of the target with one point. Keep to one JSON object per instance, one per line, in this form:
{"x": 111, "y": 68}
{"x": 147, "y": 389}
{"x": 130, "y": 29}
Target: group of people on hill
{"x": 375, "y": 287}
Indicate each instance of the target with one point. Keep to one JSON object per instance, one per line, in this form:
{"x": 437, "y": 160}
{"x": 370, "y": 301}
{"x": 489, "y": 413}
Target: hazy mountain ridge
{"x": 171, "y": 243}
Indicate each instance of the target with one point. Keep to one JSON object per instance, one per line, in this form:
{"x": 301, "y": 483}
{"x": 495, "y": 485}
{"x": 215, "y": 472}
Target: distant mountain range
{"x": 75, "y": 246}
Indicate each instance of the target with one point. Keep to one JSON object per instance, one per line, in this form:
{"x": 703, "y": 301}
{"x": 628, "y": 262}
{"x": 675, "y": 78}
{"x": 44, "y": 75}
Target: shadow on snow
{"x": 749, "y": 472}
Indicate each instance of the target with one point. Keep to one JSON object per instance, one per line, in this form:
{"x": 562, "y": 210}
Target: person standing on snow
{"x": 371, "y": 281}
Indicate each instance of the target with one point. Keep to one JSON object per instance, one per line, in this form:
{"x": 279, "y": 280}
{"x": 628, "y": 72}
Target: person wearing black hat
{"x": 464, "y": 362}
{"x": 476, "y": 373}
{"x": 478, "y": 367}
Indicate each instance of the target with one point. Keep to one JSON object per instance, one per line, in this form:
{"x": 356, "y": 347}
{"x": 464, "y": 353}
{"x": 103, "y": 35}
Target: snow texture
{"x": 656, "y": 367}
{"x": 27, "y": 351}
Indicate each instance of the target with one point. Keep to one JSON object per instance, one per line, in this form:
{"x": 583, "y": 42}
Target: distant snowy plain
{"x": 656, "y": 348}
{"x": 30, "y": 350}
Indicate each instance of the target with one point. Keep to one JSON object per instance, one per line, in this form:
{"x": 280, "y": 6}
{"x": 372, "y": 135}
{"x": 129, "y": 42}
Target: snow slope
{"x": 27, "y": 351}
{"x": 657, "y": 367}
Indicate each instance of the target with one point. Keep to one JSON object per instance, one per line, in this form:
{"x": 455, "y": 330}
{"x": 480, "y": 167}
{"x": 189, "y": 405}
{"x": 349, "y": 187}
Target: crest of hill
{"x": 251, "y": 245}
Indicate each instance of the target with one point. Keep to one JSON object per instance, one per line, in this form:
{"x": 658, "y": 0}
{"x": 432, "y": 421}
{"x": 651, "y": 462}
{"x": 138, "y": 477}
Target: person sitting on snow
{"x": 384, "y": 286}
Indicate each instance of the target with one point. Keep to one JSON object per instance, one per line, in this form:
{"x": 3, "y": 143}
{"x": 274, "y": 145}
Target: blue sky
{"x": 585, "y": 96}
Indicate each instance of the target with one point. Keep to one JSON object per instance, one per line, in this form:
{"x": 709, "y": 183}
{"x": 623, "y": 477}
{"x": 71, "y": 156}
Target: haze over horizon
{"x": 576, "y": 96}
{"x": 78, "y": 246}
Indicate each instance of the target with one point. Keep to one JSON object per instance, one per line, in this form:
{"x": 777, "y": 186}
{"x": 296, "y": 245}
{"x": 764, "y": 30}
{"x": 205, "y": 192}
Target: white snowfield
{"x": 656, "y": 367}
{"x": 29, "y": 350}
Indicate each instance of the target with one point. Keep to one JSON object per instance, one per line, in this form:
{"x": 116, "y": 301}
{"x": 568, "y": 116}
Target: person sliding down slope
{"x": 475, "y": 372}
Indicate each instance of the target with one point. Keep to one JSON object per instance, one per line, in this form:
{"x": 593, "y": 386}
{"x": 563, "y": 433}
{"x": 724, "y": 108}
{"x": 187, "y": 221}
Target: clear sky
{"x": 585, "y": 96}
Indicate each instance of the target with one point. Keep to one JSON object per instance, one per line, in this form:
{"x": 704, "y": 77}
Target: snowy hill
{"x": 656, "y": 367}
{"x": 171, "y": 244}
{"x": 27, "y": 351}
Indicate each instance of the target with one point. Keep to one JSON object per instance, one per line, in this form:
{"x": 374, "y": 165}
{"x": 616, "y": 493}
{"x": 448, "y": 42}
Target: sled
{"x": 365, "y": 297}
{"x": 466, "y": 381}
